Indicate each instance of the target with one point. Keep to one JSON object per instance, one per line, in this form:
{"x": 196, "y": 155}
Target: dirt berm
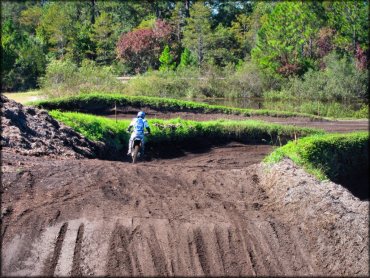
{"x": 31, "y": 131}
{"x": 214, "y": 213}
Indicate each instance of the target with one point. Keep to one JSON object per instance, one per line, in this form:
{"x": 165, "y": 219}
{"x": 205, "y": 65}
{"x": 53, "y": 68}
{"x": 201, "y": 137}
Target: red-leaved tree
{"x": 324, "y": 44}
{"x": 361, "y": 58}
{"x": 141, "y": 48}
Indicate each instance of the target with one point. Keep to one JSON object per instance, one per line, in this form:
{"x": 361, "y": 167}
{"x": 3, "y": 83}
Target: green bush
{"x": 64, "y": 78}
{"x": 327, "y": 156}
{"x": 159, "y": 84}
{"x": 340, "y": 81}
{"x": 363, "y": 112}
{"x": 192, "y": 82}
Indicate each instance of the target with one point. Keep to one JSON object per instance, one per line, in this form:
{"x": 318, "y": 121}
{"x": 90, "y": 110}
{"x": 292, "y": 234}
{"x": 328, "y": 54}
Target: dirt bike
{"x": 136, "y": 150}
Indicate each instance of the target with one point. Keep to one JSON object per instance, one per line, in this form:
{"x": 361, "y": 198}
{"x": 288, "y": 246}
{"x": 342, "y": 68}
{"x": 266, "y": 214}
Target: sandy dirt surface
{"x": 216, "y": 213}
{"x": 329, "y": 126}
{"x": 211, "y": 212}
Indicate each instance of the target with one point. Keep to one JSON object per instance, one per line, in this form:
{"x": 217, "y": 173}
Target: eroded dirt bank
{"x": 218, "y": 213}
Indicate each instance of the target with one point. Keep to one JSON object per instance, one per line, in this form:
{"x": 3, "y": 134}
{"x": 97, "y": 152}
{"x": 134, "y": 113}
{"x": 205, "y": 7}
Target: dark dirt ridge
{"x": 31, "y": 131}
{"x": 218, "y": 212}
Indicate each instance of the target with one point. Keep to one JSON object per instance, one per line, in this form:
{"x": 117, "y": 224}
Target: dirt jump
{"x": 214, "y": 212}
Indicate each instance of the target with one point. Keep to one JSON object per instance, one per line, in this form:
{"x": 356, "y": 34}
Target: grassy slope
{"x": 108, "y": 100}
{"x": 327, "y": 156}
{"x": 180, "y": 131}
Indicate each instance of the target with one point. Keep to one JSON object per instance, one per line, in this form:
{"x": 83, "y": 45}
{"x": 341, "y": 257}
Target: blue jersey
{"x": 139, "y": 125}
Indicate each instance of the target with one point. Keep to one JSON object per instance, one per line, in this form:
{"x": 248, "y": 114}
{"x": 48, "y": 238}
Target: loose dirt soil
{"x": 216, "y": 212}
{"x": 31, "y": 131}
{"x": 329, "y": 126}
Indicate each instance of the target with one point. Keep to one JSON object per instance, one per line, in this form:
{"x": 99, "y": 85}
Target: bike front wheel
{"x": 135, "y": 153}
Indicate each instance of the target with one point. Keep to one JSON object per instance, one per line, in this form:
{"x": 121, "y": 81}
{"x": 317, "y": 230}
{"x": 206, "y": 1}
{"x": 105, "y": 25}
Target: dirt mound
{"x": 31, "y": 131}
{"x": 219, "y": 213}
{"x": 331, "y": 222}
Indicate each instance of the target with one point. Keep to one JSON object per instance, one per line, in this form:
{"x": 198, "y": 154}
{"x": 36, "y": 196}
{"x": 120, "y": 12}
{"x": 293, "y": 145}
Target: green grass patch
{"x": 87, "y": 102}
{"x": 328, "y": 156}
{"x": 177, "y": 131}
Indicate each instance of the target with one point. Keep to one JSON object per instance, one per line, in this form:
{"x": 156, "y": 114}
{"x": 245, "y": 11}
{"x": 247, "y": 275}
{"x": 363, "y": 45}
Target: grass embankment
{"x": 89, "y": 102}
{"x": 182, "y": 132}
{"x": 329, "y": 156}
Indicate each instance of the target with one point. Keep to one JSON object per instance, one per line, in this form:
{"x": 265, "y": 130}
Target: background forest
{"x": 314, "y": 50}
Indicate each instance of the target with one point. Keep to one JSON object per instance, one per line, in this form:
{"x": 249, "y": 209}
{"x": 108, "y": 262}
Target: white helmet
{"x": 141, "y": 114}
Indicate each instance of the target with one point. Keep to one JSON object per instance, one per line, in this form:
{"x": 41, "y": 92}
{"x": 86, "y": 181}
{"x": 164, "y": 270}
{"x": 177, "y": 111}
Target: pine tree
{"x": 186, "y": 59}
{"x": 102, "y": 36}
{"x": 166, "y": 60}
{"x": 197, "y": 33}
{"x": 284, "y": 39}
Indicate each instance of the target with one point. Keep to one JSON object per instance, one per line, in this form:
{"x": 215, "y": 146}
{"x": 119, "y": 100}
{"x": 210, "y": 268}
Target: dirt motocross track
{"x": 329, "y": 126}
{"x": 215, "y": 213}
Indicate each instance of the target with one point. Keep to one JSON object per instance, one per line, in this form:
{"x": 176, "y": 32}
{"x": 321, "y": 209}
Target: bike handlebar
{"x": 145, "y": 133}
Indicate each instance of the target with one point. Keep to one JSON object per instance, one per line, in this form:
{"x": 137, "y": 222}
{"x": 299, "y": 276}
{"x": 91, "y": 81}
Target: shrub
{"x": 340, "y": 81}
{"x": 64, "y": 78}
{"x": 158, "y": 84}
{"x": 245, "y": 81}
{"x": 208, "y": 82}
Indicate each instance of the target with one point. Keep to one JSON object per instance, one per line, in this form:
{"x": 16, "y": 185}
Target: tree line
{"x": 283, "y": 38}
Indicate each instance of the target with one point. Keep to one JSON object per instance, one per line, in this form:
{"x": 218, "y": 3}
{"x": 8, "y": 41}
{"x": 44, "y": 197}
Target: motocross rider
{"x": 138, "y": 123}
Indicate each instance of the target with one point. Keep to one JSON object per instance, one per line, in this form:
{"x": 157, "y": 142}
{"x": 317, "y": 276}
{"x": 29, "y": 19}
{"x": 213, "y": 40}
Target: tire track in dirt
{"x": 52, "y": 261}
{"x": 201, "y": 251}
{"x": 157, "y": 253}
{"x": 119, "y": 260}
{"x": 77, "y": 256}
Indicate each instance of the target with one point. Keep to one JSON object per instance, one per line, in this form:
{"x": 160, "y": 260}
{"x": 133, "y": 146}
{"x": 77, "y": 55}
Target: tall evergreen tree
{"x": 186, "y": 59}
{"x": 283, "y": 39}
{"x": 197, "y": 32}
{"x": 350, "y": 20}
{"x": 103, "y": 37}
{"x": 166, "y": 60}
